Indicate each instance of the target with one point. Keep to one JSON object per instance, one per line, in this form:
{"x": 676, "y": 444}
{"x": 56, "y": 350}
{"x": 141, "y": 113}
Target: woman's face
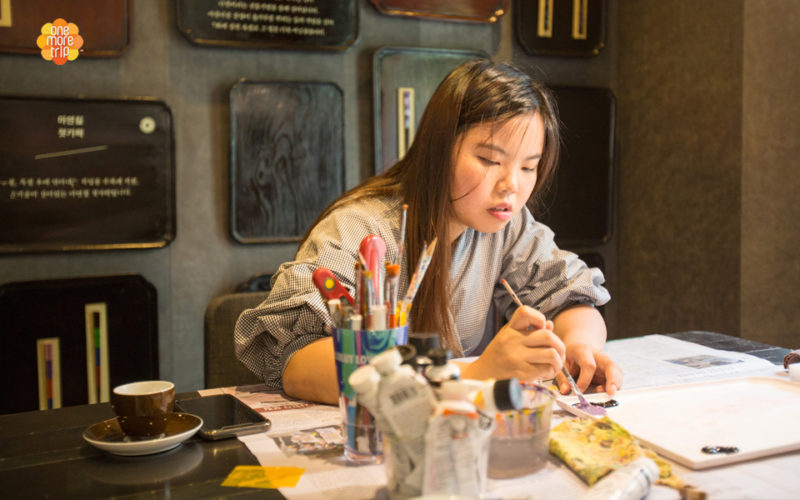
{"x": 495, "y": 171}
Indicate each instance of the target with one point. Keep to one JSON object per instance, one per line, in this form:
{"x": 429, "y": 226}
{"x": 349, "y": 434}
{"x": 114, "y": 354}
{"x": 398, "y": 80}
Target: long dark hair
{"x": 476, "y": 92}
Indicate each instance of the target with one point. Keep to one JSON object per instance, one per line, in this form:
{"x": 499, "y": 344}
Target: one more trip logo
{"x": 60, "y": 41}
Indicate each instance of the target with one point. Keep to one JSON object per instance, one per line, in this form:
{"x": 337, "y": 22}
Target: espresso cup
{"x": 143, "y": 408}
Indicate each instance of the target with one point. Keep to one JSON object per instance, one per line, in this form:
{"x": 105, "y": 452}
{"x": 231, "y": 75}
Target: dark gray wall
{"x": 204, "y": 262}
{"x": 770, "y": 164}
{"x": 707, "y": 129}
{"x": 709, "y": 104}
{"x": 679, "y": 89}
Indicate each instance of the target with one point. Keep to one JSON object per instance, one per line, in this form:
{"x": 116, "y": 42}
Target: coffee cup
{"x": 143, "y": 408}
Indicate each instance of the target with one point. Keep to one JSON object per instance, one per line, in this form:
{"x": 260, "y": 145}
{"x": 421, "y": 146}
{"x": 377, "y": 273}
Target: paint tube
{"x": 406, "y": 401}
{"x": 364, "y": 381}
{"x": 489, "y": 396}
{"x": 629, "y": 482}
{"x": 440, "y": 369}
{"x": 454, "y": 449}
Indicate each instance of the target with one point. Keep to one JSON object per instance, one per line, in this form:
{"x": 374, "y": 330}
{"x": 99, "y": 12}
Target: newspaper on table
{"x": 661, "y": 360}
{"x": 306, "y": 435}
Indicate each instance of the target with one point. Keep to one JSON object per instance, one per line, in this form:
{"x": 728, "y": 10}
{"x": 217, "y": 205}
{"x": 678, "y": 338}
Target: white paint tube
{"x": 454, "y": 450}
{"x": 629, "y": 482}
{"x": 364, "y": 381}
{"x": 489, "y": 396}
{"x": 440, "y": 369}
{"x": 406, "y": 401}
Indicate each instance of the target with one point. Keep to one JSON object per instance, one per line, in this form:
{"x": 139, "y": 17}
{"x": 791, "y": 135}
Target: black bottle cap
{"x": 409, "y": 355}
{"x": 508, "y": 394}
{"x": 423, "y": 342}
{"x": 439, "y": 356}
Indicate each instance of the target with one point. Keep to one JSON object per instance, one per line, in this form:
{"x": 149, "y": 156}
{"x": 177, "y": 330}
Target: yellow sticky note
{"x": 255, "y": 476}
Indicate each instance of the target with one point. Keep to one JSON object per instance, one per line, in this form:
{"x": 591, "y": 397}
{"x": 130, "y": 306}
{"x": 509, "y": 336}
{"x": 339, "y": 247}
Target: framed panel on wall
{"x": 70, "y": 341}
{"x": 473, "y": 10}
{"x": 287, "y": 157}
{"x": 403, "y": 81}
{"x": 85, "y": 174}
{"x": 281, "y": 24}
{"x": 580, "y": 204}
{"x": 561, "y": 27}
{"x": 103, "y": 25}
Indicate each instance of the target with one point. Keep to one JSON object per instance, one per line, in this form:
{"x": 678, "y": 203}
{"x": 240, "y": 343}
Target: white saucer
{"x": 108, "y": 436}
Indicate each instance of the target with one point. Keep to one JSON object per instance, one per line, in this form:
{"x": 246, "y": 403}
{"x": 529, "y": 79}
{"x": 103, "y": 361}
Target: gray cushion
{"x": 222, "y": 368}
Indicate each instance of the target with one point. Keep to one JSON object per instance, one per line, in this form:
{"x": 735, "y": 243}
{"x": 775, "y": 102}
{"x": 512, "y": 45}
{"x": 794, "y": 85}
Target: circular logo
{"x": 147, "y": 125}
{"x": 59, "y": 41}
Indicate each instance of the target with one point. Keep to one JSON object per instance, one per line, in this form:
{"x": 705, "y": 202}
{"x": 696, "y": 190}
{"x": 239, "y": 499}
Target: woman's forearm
{"x": 581, "y": 324}
{"x": 311, "y": 373}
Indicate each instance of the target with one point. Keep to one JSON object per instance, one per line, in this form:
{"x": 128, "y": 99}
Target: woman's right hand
{"x": 525, "y": 348}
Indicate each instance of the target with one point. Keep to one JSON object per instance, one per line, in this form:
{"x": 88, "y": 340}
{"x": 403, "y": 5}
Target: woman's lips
{"x": 502, "y": 212}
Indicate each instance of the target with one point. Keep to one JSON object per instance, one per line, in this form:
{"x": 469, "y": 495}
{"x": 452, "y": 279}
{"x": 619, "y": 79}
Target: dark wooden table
{"x": 43, "y": 455}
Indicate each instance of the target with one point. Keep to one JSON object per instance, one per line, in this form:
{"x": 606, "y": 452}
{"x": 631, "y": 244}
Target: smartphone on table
{"x": 224, "y": 416}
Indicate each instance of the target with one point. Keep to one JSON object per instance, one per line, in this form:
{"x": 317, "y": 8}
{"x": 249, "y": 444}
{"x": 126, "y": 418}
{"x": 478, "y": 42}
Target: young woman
{"x": 487, "y": 141}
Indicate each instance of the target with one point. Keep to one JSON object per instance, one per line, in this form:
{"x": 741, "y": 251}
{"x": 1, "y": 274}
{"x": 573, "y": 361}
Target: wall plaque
{"x": 103, "y": 24}
{"x": 462, "y": 10}
{"x": 561, "y": 27}
{"x": 70, "y": 341}
{"x": 403, "y": 81}
{"x": 287, "y": 157}
{"x": 287, "y": 24}
{"x": 85, "y": 174}
{"x": 580, "y": 205}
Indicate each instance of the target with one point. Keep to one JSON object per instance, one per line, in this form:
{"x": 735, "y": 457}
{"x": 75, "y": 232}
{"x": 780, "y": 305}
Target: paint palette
{"x": 755, "y": 415}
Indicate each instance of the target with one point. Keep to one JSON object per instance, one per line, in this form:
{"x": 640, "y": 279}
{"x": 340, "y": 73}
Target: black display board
{"x": 462, "y": 10}
{"x": 580, "y": 204}
{"x": 561, "y": 27}
{"x": 287, "y": 157}
{"x": 56, "y": 309}
{"x": 403, "y": 81}
{"x": 103, "y": 24}
{"x": 283, "y": 24}
{"x": 85, "y": 174}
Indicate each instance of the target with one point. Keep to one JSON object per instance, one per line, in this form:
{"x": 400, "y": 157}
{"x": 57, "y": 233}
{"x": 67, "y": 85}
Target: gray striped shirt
{"x": 294, "y": 313}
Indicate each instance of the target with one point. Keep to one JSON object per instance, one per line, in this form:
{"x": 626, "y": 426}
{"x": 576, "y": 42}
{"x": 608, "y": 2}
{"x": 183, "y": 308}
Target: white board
{"x": 758, "y": 415}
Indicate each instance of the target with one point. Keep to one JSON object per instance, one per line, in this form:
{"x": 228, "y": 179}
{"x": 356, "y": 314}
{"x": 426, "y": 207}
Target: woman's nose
{"x": 508, "y": 181}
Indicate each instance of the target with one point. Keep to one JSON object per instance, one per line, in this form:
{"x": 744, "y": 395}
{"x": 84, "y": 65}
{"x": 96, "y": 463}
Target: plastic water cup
{"x": 353, "y": 348}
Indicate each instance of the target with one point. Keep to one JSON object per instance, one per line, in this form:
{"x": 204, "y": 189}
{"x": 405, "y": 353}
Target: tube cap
{"x": 364, "y": 378}
{"x": 423, "y": 342}
{"x": 387, "y": 361}
{"x": 439, "y": 356}
{"x": 508, "y": 394}
{"x": 409, "y": 355}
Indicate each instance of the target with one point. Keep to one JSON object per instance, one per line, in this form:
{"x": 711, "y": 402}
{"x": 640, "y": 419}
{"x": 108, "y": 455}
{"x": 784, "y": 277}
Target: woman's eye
{"x": 487, "y": 161}
{"x": 529, "y": 169}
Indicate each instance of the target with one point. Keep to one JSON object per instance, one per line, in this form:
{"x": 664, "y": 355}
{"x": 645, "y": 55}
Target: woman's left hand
{"x": 596, "y": 371}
